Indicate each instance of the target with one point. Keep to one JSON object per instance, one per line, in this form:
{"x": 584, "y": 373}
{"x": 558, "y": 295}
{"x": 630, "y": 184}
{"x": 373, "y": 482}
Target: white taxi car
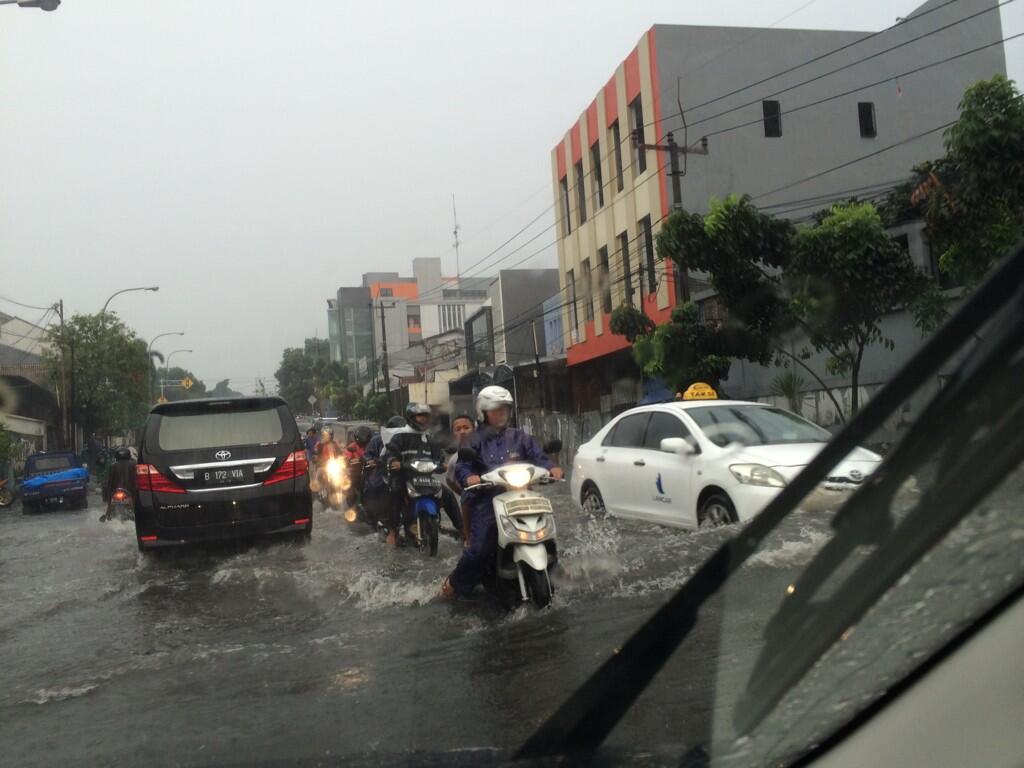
{"x": 705, "y": 462}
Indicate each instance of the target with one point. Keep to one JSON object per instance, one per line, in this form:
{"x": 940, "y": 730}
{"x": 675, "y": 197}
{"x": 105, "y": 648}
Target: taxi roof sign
{"x": 698, "y": 391}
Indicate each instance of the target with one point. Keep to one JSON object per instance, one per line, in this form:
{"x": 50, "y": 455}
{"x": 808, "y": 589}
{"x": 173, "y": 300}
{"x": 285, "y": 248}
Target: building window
{"x": 570, "y": 281}
{"x": 636, "y": 116}
{"x": 386, "y": 293}
{"x": 566, "y": 218}
{"x": 616, "y": 141}
{"x": 652, "y": 278}
{"x": 413, "y": 323}
{"x": 581, "y": 195}
{"x": 627, "y": 268}
{"x": 596, "y": 177}
{"x": 605, "y": 279}
{"x": 709, "y": 312}
{"x": 588, "y": 291}
{"x": 772, "y": 111}
{"x": 866, "y": 116}
{"x": 452, "y": 316}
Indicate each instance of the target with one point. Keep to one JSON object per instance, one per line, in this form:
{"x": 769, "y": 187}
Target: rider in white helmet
{"x": 495, "y": 443}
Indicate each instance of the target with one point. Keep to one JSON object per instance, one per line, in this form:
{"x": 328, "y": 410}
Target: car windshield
{"x": 673, "y": 252}
{"x": 214, "y": 430}
{"x": 51, "y": 463}
{"x": 755, "y": 425}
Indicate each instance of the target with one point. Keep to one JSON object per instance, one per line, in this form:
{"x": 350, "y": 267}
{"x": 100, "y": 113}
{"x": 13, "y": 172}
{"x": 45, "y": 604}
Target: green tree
{"x": 7, "y": 447}
{"x": 845, "y": 274}
{"x": 308, "y": 371}
{"x": 108, "y": 364}
{"x": 221, "y": 389}
{"x": 972, "y": 199}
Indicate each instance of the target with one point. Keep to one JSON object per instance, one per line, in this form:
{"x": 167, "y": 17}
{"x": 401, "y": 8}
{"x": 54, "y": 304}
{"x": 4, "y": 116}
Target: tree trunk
{"x": 855, "y": 380}
{"x": 824, "y": 386}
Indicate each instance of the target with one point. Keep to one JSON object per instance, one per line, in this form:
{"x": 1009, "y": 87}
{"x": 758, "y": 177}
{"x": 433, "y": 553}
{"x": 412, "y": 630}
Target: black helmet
{"x": 395, "y": 421}
{"x": 123, "y": 454}
{"x": 362, "y": 435}
{"x": 412, "y": 410}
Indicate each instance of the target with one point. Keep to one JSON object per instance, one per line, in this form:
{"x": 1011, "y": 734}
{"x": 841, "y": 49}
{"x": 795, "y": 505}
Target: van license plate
{"x": 224, "y": 476}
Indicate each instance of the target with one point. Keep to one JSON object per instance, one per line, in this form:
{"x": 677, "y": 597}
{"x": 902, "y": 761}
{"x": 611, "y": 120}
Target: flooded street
{"x": 279, "y": 650}
{"x": 282, "y": 652}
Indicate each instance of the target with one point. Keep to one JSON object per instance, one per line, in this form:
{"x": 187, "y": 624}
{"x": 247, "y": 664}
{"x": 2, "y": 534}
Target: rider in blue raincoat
{"x": 495, "y": 443}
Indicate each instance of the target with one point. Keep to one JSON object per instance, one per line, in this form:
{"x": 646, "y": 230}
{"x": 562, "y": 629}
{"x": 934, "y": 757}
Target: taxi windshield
{"x": 755, "y": 425}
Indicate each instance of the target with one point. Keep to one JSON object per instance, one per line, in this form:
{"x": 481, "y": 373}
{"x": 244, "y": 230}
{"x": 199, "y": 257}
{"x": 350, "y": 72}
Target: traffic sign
{"x": 187, "y": 383}
{"x": 311, "y": 399}
{"x": 162, "y": 399}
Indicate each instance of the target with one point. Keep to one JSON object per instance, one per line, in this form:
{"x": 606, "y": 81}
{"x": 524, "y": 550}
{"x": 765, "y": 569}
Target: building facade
{"x": 852, "y": 122}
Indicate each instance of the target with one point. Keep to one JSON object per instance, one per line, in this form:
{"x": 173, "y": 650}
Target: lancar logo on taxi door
{"x": 660, "y": 495}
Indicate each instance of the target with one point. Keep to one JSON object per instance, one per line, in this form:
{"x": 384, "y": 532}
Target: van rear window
{"x": 213, "y": 430}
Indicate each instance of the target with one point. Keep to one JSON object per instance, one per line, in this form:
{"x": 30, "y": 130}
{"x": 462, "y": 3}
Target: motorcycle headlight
{"x": 513, "y": 531}
{"x": 757, "y": 474}
{"x": 517, "y": 478}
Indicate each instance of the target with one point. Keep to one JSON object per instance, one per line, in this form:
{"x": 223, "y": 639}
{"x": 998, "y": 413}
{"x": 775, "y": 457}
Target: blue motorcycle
{"x": 423, "y": 491}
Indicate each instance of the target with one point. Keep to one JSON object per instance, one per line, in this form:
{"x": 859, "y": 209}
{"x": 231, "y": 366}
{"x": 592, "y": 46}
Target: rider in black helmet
{"x": 408, "y": 444}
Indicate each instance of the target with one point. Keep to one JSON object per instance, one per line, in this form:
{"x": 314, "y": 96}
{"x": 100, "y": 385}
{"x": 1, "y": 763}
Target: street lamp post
{"x": 153, "y": 288}
{"x": 149, "y": 361}
{"x": 167, "y": 366}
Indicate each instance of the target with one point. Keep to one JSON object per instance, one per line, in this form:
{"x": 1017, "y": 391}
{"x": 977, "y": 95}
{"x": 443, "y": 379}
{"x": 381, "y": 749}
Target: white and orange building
{"x": 839, "y": 121}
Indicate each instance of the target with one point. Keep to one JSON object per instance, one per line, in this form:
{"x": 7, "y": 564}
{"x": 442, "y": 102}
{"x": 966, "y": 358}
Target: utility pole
{"x": 384, "y": 353}
{"x": 536, "y": 360}
{"x": 63, "y": 381}
{"x": 674, "y": 151}
{"x": 455, "y": 232}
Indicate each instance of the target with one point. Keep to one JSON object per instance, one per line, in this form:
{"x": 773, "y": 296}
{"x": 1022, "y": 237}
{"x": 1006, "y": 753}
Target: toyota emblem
{"x": 856, "y": 475}
{"x": 222, "y": 455}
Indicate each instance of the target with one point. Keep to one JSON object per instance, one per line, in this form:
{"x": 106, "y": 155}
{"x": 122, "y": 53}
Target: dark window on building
{"x": 596, "y": 177}
{"x": 386, "y": 292}
{"x": 627, "y": 268}
{"x": 581, "y": 195}
{"x": 566, "y": 211}
{"x": 636, "y": 115}
{"x": 605, "y": 279}
{"x": 772, "y": 119}
{"x": 617, "y": 152}
{"x": 709, "y": 311}
{"x": 574, "y": 318}
{"x": 588, "y": 290}
{"x": 628, "y": 433}
{"x": 866, "y": 116}
{"x": 652, "y": 276}
{"x": 663, "y": 425}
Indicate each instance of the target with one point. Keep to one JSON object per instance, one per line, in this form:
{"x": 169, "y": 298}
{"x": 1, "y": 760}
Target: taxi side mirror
{"x": 677, "y": 445}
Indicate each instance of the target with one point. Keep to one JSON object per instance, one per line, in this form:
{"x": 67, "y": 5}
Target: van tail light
{"x": 294, "y": 465}
{"x": 148, "y": 478}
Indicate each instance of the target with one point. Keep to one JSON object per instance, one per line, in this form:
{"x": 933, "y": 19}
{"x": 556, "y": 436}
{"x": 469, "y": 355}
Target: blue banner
{"x": 68, "y": 474}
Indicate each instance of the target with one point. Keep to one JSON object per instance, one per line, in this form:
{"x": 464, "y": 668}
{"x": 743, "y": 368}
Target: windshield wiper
{"x": 582, "y": 723}
{"x": 976, "y": 426}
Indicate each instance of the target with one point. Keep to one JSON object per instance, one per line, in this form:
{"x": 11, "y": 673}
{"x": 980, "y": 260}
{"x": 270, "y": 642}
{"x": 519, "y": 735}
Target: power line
{"x": 844, "y": 67}
{"x": 22, "y": 304}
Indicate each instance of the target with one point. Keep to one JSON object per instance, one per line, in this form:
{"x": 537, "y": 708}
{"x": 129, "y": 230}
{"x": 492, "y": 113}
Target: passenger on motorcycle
{"x": 463, "y": 426}
{"x": 354, "y": 453}
{"x": 407, "y": 445}
{"x": 495, "y": 443}
{"x": 376, "y": 492}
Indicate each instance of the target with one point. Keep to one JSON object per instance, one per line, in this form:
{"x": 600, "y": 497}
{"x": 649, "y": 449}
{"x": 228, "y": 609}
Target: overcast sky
{"x": 249, "y": 156}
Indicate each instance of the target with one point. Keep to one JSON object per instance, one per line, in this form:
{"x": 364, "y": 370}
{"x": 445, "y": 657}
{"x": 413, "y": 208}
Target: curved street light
{"x": 149, "y": 360}
{"x": 153, "y": 288}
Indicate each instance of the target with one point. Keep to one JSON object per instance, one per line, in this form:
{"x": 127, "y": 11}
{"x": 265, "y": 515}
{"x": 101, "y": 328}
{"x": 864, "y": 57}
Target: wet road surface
{"x": 280, "y": 651}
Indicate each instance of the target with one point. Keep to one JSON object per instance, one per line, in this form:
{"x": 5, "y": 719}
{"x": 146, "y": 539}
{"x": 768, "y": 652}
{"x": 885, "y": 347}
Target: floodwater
{"x": 283, "y": 652}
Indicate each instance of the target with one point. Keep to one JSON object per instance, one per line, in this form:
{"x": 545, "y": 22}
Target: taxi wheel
{"x": 592, "y": 502}
{"x": 716, "y": 511}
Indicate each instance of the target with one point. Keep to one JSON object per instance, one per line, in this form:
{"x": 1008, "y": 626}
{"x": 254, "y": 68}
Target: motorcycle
{"x": 6, "y": 494}
{"x": 423, "y": 491}
{"x": 120, "y": 506}
{"x": 331, "y": 482}
{"x": 354, "y": 509}
{"x": 527, "y": 540}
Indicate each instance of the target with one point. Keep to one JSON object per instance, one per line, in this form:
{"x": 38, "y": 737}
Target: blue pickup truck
{"x": 53, "y": 479}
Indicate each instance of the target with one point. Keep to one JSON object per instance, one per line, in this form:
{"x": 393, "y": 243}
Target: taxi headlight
{"x": 757, "y": 474}
{"x": 517, "y": 478}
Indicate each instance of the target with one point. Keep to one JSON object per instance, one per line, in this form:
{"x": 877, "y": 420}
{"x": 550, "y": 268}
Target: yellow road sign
{"x": 187, "y": 383}
{"x": 162, "y": 399}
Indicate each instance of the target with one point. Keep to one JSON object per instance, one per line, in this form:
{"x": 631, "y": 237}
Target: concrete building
{"x": 404, "y": 310}
{"x": 835, "y": 124}
{"x": 22, "y": 335}
{"x": 509, "y": 328}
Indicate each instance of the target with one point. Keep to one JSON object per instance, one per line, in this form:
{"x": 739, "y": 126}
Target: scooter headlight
{"x": 517, "y": 478}
{"x": 517, "y": 533}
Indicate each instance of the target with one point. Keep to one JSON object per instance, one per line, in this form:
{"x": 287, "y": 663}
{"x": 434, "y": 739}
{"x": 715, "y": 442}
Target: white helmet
{"x": 491, "y": 398}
